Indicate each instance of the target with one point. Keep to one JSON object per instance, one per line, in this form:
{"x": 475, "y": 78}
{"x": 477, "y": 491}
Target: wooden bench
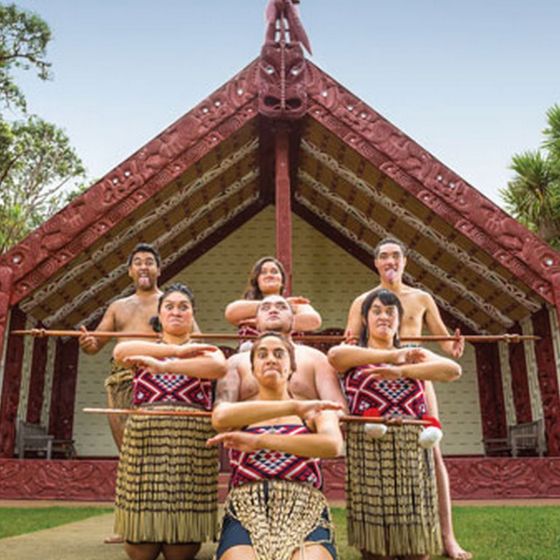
{"x": 35, "y": 438}
{"x": 528, "y": 437}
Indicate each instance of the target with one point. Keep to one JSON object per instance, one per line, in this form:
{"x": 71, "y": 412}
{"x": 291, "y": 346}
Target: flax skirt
{"x": 391, "y": 493}
{"x": 119, "y": 390}
{"x": 279, "y": 516}
{"x": 167, "y": 481}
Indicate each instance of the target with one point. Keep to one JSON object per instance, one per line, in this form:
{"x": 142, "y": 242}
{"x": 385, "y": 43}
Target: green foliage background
{"x": 533, "y": 195}
{"x": 37, "y": 161}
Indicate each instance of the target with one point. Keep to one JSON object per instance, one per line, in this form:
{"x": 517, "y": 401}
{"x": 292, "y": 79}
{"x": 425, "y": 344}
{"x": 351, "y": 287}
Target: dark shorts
{"x": 234, "y": 534}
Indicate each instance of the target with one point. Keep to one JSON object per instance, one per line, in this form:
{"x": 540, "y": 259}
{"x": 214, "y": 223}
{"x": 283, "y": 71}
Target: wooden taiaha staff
{"x": 317, "y": 338}
{"x": 393, "y": 421}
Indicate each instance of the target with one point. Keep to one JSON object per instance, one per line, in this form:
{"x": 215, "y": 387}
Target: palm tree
{"x": 533, "y": 195}
{"x": 552, "y": 136}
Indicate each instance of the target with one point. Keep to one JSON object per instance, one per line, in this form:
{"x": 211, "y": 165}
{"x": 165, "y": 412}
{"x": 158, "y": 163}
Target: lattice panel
{"x": 25, "y": 373}
{"x": 5, "y": 346}
{"x": 47, "y": 389}
{"x": 555, "y": 338}
{"x": 459, "y": 409}
{"x": 511, "y": 417}
{"x": 91, "y": 431}
{"x": 534, "y": 389}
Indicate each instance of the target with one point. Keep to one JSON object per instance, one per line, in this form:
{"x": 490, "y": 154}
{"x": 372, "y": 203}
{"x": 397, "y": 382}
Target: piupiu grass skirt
{"x": 119, "y": 391}
{"x": 391, "y": 494}
{"x": 279, "y": 514}
{"x": 167, "y": 480}
{"x": 119, "y": 385}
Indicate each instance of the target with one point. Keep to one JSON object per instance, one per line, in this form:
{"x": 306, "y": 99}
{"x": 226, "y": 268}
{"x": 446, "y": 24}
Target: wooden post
{"x": 63, "y": 393}
{"x": 283, "y": 203}
{"x": 11, "y": 385}
{"x": 491, "y": 392}
{"x": 37, "y": 379}
{"x": 519, "y": 379}
{"x": 548, "y": 379}
{"x": 6, "y": 284}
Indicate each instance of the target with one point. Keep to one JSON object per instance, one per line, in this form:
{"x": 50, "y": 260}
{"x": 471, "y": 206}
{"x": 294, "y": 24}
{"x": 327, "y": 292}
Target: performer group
{"x": 279, "y": 406}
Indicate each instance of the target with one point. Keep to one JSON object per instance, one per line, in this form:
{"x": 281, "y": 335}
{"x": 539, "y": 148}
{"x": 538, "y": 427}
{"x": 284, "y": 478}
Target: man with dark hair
{"x": 392, "y": 241}
{"x": 145, "y": 248}
{"x": 419, "y": 309}
{"x": 314, "y": 378}
{"x": 128, "y": 314}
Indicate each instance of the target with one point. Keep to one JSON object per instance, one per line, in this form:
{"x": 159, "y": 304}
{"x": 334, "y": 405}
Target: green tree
{"x": 37, "y": 162}
{"x": 533, "y": 195}
{"x": 23, "y": 41}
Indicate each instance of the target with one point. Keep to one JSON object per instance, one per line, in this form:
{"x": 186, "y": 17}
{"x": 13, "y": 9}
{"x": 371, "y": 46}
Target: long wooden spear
{"x": 394, "y": 421}
{"x": 313, "y": 338}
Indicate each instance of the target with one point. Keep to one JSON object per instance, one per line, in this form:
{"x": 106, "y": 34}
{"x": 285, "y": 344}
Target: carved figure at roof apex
{"x": 282, "y": 67}
{"x": 282, "y": 18}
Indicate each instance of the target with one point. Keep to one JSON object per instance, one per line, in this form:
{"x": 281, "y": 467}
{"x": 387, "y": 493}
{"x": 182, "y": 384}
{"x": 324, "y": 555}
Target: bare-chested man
{"x": 128, "y": 314}
{"x": 419, "y": 308}
{"x": 314, "y": 377}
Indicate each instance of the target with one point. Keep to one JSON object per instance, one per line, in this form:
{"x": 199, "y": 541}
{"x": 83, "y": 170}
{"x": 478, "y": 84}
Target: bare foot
{"x": 114, "y": 539}
{"x": 455, "y": 551}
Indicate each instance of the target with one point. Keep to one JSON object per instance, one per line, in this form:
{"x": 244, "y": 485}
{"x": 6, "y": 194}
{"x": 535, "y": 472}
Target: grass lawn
{"x": 17, "y": 521}
{"x": 495, "y": 532}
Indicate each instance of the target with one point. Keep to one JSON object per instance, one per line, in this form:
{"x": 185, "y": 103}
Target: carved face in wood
{"x": 282, "y": 91}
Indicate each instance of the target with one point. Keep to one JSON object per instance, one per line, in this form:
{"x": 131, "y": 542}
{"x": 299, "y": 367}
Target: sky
{"x": 469, "y": 81}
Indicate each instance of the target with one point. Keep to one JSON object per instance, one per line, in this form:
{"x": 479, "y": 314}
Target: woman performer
{"x": 268, "y": 278}
{"x": 390, "y": 486}
{"x": 275, "y": 507}
{"x": 167, "y": 480}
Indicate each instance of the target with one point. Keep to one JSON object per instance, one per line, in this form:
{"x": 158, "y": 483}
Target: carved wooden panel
{"x": 11, "y": 385}
{"x": 39, "y": 479}
{"x": 282, "y": 65}
{"x": 282, "y": 91}
{"x": 479, "y": 478}
{"x": 37, "y": 380}
{"x": 491, "y": 393}
{"x": 63, "y": 393}
{"x": 6, "y": 277}
{"x": 548, "y": 380}
{"x": 519, "y": 380}
{"x": 473, "y": 478}
{"x": 504, "y": 478}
